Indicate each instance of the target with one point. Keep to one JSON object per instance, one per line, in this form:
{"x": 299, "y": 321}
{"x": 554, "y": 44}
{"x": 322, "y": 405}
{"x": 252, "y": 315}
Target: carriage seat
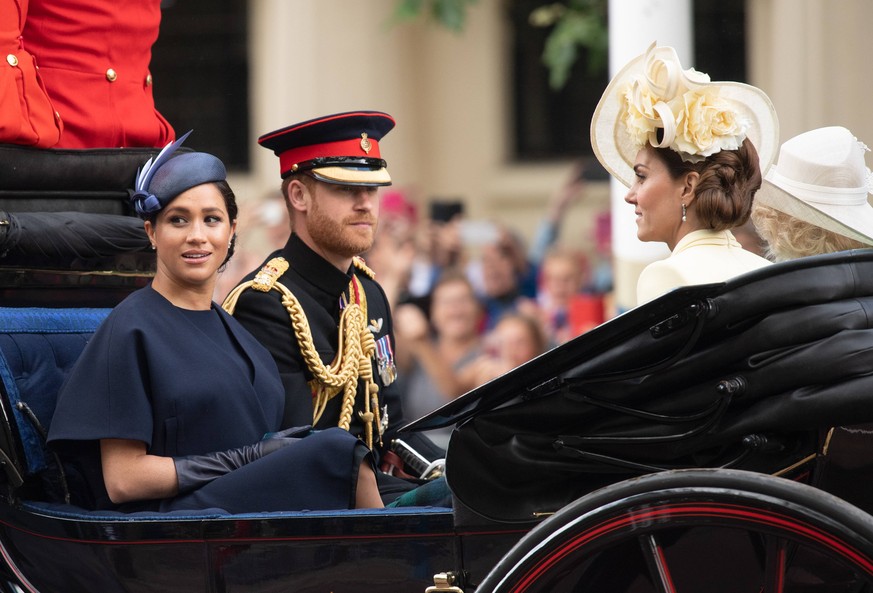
{"x": 38, "y": 348}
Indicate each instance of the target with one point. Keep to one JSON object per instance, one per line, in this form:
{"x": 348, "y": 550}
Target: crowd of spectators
{"x": 472, "y": 300}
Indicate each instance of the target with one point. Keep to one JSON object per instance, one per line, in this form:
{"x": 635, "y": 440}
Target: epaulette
{"x": 359, "y": 263}
{"x": 267, "y": 276}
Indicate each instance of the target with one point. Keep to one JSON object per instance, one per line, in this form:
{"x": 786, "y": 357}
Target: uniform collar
{"x": 315, "y": 269}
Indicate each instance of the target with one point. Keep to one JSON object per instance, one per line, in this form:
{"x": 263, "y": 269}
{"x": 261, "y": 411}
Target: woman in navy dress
{"x": 172, "y": 404}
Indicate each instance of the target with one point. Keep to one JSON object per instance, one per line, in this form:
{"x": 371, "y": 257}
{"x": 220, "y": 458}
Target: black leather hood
{"x": 745, "y": 374}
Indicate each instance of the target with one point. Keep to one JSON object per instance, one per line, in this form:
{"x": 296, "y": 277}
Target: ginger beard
{"x": 341, "y": 237}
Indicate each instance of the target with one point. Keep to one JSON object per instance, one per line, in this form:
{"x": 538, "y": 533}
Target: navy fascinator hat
{"x": 160, "y": 180}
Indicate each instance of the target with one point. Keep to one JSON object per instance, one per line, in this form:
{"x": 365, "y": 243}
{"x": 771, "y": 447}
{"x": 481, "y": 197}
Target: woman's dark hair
{"x": 727, "y": 186}
{"x": 232, "y": 213}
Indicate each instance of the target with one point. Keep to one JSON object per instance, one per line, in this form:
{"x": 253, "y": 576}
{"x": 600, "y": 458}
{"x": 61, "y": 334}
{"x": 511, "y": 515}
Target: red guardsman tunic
{"x": 93, "y": 57}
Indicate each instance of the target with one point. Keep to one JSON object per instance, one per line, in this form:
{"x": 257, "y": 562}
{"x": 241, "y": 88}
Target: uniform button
{"x": 149, "y": 80}
{"x": 57, "y": 116}
{"x": 12, "y": 59}
{"x": 111, "y": 75}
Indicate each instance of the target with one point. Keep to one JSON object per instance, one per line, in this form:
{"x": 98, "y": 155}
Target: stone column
{"x": 633, "y": 26}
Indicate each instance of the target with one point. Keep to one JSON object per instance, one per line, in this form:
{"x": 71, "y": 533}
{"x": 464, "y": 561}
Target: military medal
{"x": 385, "y": 360}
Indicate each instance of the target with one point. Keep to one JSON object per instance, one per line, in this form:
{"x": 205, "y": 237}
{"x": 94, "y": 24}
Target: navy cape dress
{"x": 188, "y": 383}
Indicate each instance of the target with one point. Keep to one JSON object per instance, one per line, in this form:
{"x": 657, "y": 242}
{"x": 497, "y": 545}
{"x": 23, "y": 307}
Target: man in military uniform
{"x": 314, "y": 304}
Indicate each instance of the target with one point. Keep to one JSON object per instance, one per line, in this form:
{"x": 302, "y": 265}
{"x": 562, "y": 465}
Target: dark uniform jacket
{"x": 319, "y": 286}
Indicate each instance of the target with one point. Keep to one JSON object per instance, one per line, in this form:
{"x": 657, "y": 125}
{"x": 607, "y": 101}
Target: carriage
{"x": 715, "y": 439}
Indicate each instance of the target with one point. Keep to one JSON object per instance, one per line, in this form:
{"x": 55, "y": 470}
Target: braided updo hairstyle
{"x": 727, "y": 186}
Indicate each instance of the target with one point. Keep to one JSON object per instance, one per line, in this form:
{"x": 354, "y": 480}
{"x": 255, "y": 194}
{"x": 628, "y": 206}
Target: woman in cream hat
{"x": 692, "y": 153}
{"x": 815, "y": 199}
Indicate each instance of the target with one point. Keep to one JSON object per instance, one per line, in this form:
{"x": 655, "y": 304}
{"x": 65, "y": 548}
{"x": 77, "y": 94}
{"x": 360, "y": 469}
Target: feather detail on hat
{"x": 144, "y": 201}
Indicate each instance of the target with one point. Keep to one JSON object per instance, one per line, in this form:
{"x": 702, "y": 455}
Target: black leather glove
{"x": 194, "y": 471}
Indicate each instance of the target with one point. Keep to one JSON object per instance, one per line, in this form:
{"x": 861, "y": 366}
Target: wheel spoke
{"x": 775, "y": 562}
{"x": 657, "y": 563}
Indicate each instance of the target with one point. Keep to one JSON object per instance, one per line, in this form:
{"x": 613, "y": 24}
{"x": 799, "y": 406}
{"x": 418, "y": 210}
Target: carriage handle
{"x": 444, "y": 582}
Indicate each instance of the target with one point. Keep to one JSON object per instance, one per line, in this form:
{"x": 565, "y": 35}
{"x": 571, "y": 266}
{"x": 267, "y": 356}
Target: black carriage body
{"x": 55, "y": 547}
{"x": 56, "y": 550}
{"x": 748, "y": 374}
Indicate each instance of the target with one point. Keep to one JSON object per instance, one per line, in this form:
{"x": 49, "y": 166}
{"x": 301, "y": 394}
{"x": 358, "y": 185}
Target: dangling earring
{"x": 684, "y": 218}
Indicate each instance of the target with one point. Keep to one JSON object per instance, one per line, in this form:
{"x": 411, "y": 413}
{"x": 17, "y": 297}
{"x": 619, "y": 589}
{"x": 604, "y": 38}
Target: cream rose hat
{"x": 821, "y": 178}
{"x": 696, "y": 117}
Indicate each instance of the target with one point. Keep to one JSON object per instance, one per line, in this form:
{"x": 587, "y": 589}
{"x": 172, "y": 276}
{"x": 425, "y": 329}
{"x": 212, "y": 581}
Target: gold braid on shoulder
{"x": 359, "y": 263}
{"x": 354, "y": 351}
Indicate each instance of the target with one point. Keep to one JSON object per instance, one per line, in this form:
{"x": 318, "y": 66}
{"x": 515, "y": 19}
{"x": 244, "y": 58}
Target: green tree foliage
{"x": 575, "y": 24}
{"x": 451, "y": 14}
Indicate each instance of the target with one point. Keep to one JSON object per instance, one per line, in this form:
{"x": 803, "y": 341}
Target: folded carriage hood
{"x": 744, "y": 373}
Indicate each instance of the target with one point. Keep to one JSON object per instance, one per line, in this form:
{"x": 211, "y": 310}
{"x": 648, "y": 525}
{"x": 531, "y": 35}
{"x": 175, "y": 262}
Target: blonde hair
{"x": 789, "y": 238}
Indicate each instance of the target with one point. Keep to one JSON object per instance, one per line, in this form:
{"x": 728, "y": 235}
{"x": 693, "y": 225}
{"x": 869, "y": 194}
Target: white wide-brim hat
{"x": 821, "y": 178}
{"x": 659, "y": 74}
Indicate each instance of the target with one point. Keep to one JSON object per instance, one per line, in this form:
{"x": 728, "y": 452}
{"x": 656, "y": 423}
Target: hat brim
{"x": 617, "y": 151}
{"x": 352, "y": 176}
{"x": 854, "y": 222}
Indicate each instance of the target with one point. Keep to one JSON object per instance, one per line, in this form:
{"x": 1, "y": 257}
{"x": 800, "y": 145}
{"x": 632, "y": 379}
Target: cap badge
{"x": 366, "y": 145}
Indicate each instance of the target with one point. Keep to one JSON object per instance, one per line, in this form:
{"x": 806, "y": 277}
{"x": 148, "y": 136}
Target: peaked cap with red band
{"x": 342, "y": 148}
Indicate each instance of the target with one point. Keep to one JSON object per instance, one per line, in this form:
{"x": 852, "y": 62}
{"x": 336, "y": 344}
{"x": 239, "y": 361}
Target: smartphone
{"x": 445, "y": 210}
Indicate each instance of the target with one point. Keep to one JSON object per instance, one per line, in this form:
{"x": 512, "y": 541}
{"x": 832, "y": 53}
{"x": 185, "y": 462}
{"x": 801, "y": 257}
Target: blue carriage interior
{"x": 38, "y": 349}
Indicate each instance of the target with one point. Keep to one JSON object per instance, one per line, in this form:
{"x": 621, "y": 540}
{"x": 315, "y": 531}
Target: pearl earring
{"x": 684, "y": 218}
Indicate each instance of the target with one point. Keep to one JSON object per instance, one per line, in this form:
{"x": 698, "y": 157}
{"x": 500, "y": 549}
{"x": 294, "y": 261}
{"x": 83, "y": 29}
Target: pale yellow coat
{"x": 700, "y": 257}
